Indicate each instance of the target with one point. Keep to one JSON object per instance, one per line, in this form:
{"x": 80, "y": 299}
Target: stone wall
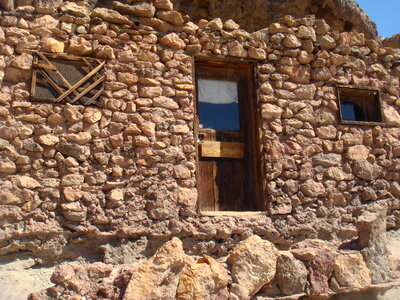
{"x": 122, "y": 176}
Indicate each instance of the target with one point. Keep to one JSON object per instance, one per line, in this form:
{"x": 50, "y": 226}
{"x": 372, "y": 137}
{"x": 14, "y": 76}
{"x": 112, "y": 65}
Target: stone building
{"x": 125, "y": 124}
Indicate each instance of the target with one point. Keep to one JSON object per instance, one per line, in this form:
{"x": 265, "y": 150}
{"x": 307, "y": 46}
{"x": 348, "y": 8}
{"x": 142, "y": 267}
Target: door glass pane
{"x": 218, "y": 104}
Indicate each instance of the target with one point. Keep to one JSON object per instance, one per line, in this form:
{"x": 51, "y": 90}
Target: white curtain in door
{"x": 217, "y": 91}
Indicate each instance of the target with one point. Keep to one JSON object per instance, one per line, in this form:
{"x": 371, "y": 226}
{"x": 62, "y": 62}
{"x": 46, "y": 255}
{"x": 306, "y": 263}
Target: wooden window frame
{"x": 253, "y": 128}
{"x": 72, "y": 93}
{"x": 368, "y": 100}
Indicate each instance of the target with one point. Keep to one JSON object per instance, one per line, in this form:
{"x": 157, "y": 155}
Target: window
{"x": 218, "y": 98}
{"x": 229, "y": 164}
{"x": 359, "y": 105}
{"x": 62, "y": 78}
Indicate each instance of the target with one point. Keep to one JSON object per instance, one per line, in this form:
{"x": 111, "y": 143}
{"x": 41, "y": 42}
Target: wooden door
{"x": 228, "y": 175}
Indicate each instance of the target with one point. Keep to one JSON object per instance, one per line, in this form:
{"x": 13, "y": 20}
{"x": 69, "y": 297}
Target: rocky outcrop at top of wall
{"x": 341, "y": 15}
{"x": 393, "y": 41}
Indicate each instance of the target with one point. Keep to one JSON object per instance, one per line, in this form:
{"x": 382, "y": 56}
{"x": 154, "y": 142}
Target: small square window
{"x": 359, "y": 105}
{"x": 62, "y": 78}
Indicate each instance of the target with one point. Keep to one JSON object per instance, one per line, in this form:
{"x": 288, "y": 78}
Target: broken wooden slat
{"x": 89, "y": 88}
{"x": 44, "y": 66}
{"x": 50, "y": 81}
{"x": 34, "y": 77}
{"x": 65, "y": 81}
{"x": 80, "y": 82}
{"x": 87, "y": 63}
{"x": 97, "y": 95}
{"x": 222, "y": 149}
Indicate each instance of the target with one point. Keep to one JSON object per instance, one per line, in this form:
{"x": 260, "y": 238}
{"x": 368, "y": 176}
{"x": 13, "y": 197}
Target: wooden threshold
{"x": 231, "y": 213}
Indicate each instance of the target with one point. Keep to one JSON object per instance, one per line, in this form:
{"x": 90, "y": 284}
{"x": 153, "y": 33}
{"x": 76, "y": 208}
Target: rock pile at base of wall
{"x": 255, "y": 267}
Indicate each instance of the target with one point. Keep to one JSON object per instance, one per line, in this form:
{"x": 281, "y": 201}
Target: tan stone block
{"x": 312, "y": 188}
{"x": 159, "y": 276}
{"x": 150, "y": 91}
{"x": 291, "y": 41}
{"x": 215, "y": 24}
{"x": 105, "y": 51}
{"x": 7, "y": 167}
{"x": 231, "y": 25}
{"x": 116, "y": 195}
{"x": 142, "y": 9}
{"x": 390, "y": 115}
{"x": 279, "y": 28}
{"x": 173, "y": 17}
{"x": 253, "y": 264}
{"x": 173, "y": 41}
{"x": 163, "y": 4}
{"x": 148, "y": 128}
{"x": 186, "y": 196}
{"x": 181, "y": 172}
{"x": 358, "y": 152}
{"x": 257, "y": 53}
{"x": 202, "y": 279}
{"x": 165, "y": 102}
{"x": 298, "y": 74}
{"x": 180, "y": 129}
{"x": 77, "y": 9}
{"x": 305, "y": 57}
{"x": 80, "y": 46}
{"x": 72, "y": 194}
{"x": 110, "y": 15}
{"x": 326, "y": 42}
{"x": 74, "y": 211}
{"x": 132, "y": 129}
{"x": 26, "y": 182}
{"x": 321, "y": 27}
{"x": 271, "y": 111}
{"x": 291, "y": 274}
{"x": 48, "y": 139}
{"x": 148, "y": 56}
{"x": 305, "y": 32}
{"x": 53, "y": 45}
{"x": 91, "y": 116}
{"x": 72, "y": 180}
{"x": 141, "y": 141}
{"x": 350, "y": 270}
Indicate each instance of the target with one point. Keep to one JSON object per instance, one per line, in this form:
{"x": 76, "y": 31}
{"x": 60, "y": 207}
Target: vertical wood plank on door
{"x": 230, "y": 184}
{"x": 205, "y": 185}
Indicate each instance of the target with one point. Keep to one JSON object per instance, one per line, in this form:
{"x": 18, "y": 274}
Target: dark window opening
{"x": 359, "y": 105}
{"x": 62, "y": 78}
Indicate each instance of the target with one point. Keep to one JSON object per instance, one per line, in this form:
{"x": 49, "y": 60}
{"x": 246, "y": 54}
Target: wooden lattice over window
{"x": 62, "y": 78}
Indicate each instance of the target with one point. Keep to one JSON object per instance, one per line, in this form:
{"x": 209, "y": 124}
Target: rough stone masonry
{"x": 116, "y": 182}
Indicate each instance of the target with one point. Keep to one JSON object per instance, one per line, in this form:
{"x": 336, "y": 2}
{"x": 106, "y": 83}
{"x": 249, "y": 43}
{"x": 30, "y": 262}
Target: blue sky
{"x": 385, "y": 14}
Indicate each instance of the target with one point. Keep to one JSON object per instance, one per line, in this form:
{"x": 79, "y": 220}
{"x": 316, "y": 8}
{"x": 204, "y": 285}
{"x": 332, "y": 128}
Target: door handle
{"x": 201, "y": 136}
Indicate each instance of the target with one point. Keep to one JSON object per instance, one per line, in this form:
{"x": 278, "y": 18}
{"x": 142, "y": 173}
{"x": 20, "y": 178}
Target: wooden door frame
{"x": 254, "y": 147}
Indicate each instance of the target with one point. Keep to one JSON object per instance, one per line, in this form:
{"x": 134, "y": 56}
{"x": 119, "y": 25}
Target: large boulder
{"x": 253, "y": 264}
{"x": 341, "y": 15}
{"x": 158, "y": 277}
{"x": 393, "y": 41}
{"x": 291, "y": 274}
{"x": 320, "y": 257}
{"x": 202, "y": 279}
{"x": 351, "y": 271}
{"x": 371, "y": 227}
